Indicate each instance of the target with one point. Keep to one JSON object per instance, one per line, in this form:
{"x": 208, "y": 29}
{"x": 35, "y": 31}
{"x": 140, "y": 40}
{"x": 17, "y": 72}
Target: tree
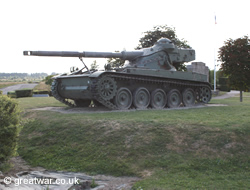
{"x": 158, "y": 32}
{"x": 235, "y": 58}
{"x": 114, "y": 62}
{"x": 151, "y": 37}
{"x": 94, "y": 65}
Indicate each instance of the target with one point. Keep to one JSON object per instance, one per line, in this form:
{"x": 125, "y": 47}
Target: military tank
{"x": 147, "y": 79}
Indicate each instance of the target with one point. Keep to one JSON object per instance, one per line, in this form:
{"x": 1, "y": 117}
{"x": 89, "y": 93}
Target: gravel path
{"x": 230, "y": 94}
{"x": 17, "y": 87}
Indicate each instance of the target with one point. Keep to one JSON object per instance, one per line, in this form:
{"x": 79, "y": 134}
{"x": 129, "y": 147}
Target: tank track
{"x": 110, "y": 105}
{"x": 57, "y": 96}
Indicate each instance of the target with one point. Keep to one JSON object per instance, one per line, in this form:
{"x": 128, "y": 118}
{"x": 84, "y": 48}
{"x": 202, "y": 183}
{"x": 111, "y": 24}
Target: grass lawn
{"x": 199, "y": 148}
{"x": 42, "y": 87}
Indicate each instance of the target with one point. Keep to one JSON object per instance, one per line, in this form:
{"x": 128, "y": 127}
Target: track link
{"x": 54, "y": 91}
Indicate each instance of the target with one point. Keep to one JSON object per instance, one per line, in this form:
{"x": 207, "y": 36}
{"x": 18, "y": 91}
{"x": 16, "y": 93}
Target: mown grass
{"x": 39, "y": 102}
{"x": 199, "y": 148}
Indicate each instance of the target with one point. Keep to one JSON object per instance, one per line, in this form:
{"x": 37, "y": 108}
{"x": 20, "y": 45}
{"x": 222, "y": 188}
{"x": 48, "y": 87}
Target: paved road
{"x": 230, "y": 94}
{"x": 17, "y": 87}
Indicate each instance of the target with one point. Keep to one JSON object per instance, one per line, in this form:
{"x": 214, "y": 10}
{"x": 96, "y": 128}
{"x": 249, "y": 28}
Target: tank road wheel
{"x": 205, "y": 94}
{"x": 123, "y": 99}
{"x": 158, "y": 99}
{"x": 141, "y": 98}
{"x": 82, "y": 103}
{"x": 106, "y": 88}
{"x": 188, "y": 97}
{"x": 174, "y": 98}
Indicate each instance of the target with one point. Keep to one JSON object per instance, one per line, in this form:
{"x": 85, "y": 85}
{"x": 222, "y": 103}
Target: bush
{"x": 24, "y": 93}
{"x": 224, "y": 84}
{"x": 225, "y": 88}
{"x": 49, "y": 80}
{"x": 10, "y": 125}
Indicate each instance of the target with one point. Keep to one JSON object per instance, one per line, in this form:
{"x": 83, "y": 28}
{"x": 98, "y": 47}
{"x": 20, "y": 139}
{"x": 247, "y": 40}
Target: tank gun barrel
{"x": 126, "y": 55}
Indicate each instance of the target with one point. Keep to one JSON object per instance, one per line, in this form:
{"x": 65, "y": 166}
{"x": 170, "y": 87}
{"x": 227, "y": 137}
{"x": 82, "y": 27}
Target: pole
{"x": 214, "y": 72}
{"x": 214, "y": 55}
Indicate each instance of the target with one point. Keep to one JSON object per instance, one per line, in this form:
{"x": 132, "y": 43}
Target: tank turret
{"x": 160, "y": 56}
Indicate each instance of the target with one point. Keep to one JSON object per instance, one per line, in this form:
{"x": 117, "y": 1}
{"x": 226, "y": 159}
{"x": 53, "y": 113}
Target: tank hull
{"x": 133, "y": 87}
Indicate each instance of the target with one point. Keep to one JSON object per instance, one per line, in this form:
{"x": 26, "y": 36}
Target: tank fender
{"x": 98, "y": 74}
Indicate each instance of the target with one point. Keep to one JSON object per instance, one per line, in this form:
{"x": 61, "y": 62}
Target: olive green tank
{"x": 147, "y": 79}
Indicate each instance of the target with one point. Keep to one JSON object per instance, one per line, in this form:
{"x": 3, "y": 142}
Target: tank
{"x": 147, "y": 79}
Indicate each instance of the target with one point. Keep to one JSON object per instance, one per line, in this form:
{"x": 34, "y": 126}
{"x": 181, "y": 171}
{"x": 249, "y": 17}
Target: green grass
{"x": 42, "y": 87}
{"x": 200, "y": 148}
{"x": 39, "y": 102}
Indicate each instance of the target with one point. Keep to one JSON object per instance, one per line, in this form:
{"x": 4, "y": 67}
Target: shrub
{"x": 10, "y": 125}
{"x": 224, "y": 84}
{"x": 24, "y": 93}
{"x": 49, "y": 80}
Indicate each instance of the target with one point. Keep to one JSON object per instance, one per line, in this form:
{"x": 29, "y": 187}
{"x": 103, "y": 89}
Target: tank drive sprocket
{"x": 106, "y": 88}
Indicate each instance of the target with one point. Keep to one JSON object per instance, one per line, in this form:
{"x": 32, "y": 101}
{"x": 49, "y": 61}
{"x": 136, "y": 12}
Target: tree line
{"x": 22, "y": 75}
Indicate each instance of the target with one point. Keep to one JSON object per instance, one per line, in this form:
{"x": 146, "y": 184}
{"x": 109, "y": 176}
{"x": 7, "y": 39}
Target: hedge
{"x": 11, "y": 94}
{"x": 24, "y": 93}
{"x": 224, "y": 84}
{"x": 10, "y": 125}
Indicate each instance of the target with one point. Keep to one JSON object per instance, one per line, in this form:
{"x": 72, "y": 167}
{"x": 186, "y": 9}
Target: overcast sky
{"x": 109, "y": 25}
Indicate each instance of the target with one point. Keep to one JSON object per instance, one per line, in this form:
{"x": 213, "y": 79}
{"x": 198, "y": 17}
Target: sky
{"x": 111, "y": 25}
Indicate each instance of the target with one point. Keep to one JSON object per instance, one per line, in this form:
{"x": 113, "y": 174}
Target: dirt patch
{"x": 66, "y": 110}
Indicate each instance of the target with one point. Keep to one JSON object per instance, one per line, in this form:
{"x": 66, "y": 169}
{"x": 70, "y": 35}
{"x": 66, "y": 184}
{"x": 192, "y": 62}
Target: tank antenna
{"x": 85, "y": 66}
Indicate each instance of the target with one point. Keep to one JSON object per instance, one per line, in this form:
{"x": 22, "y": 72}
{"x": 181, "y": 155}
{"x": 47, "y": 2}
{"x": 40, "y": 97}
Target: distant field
{"x": 6, "y": 84}
{"x": 202, "y": 148}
